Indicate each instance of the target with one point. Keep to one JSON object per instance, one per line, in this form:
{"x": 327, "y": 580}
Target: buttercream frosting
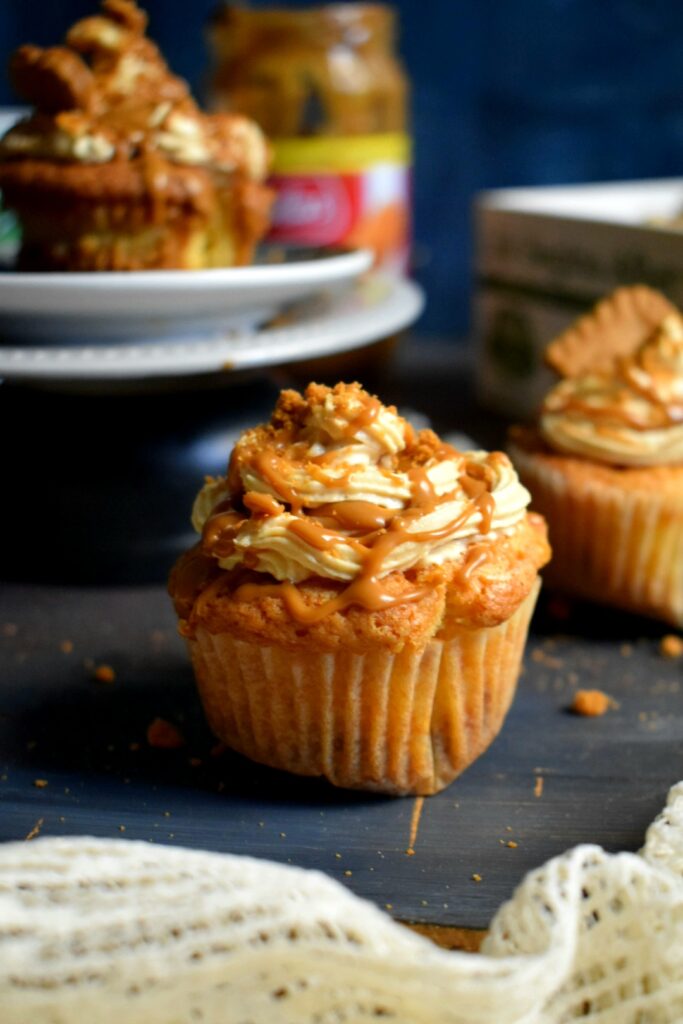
{"x": 631, "y": 416}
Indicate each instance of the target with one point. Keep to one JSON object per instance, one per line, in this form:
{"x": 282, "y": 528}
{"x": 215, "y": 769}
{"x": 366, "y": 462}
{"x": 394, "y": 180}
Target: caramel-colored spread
{"x": 339, "y": 487}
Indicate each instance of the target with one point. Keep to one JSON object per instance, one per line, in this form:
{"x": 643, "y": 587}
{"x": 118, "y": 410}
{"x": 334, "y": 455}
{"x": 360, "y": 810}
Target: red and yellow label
{"x": 344, "y": 191}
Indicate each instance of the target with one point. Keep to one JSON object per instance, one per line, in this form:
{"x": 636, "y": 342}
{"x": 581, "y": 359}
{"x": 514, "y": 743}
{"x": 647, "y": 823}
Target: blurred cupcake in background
{"x": 117, "y": 168}
{"x": 605, "y": 465}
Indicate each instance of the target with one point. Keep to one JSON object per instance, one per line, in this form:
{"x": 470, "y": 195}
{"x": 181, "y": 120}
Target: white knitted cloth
{"x": 97, "y": 931}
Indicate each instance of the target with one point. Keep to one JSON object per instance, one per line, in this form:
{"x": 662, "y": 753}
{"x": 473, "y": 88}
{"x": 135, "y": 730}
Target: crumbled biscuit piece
{"x": 614, "y": 328}
{"x": 590, "y": 703}
{"x": 476, "y": 877}
{"x": 671, "y": 646}
{"x": 40, "y": 783}
{"x": 164, "y": 735}
{"x": 104, "y": 674}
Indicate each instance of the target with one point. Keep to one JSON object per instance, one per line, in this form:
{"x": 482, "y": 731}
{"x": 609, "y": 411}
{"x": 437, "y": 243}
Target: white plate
{"x": 109, "y": 307}
{"x": 372, "y": 308}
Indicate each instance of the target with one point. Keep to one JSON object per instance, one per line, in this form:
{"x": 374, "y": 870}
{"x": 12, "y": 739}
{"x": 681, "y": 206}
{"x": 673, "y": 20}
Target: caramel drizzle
{"x": 378, "y": 531}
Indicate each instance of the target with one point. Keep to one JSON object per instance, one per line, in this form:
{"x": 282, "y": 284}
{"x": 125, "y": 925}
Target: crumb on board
{"x": 476, "y": 877}
{"x": 348, "y": 873}
{"x": 512, "y": 844}
{"x": 122, "y": 828}
{"x": 671, "y": 646}
{"x": 389, "y": 906}
{"x": 35, "y": 831}
{"x": 538, "y": 786}
{"x": 163, "y": 735}
{"x": 40, "y": 783}
{"x": 104, "y": 674}
{"x": 66, "y": 646}
{"x": 591, "y": 703}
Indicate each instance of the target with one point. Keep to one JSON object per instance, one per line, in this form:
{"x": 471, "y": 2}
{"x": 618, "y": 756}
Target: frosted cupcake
{"x": 606, "y": 464}
{"x": 117, "y": 168}
{"x": 358, "y": 603}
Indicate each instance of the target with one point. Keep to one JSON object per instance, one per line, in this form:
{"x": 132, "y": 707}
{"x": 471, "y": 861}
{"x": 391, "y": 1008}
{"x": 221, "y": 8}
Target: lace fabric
{"x": 111, "y": 930}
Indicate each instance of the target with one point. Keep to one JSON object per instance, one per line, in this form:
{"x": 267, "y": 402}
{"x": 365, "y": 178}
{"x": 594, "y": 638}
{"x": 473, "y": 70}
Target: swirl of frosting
{"x": 632, "y": 416}
{"x": 339, "y": 486}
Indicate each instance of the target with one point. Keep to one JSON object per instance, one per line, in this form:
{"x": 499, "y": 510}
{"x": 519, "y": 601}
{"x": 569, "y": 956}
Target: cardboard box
{"x": 545, "y": 255}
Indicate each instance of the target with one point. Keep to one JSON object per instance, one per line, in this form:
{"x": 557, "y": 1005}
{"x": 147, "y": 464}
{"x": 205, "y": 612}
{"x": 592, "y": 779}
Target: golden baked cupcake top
{"x": 107, "y": 95}
{"x": 627, "y": 409}
{"x": 339, "y": 487}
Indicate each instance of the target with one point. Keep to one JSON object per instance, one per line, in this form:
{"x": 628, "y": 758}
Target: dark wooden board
{"x": 603, "y": 779}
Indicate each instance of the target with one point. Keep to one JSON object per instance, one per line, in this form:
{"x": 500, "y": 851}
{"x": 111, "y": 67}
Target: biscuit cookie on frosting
{"x": 117, "y": 168}
{"x": 606, "y": 463}
{"x": 358, "y": 602}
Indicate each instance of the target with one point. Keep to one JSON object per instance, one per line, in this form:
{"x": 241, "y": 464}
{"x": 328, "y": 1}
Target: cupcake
{"x": 117, "y": 168}
{"x": 605, "y": 465}
{"x": 358, "y": 603}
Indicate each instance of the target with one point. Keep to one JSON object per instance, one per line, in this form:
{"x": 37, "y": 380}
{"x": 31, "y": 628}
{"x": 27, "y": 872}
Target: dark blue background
{"x": 505, "y": 92}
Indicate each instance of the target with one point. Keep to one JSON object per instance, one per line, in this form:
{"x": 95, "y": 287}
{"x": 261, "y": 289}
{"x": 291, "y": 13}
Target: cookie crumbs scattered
{"x": 508, "y": 828}
{"x": 477, "y": 878}
{"x": 261, "y": 824}
{"x": 424, "y": 903}
{"x": 590, "y": 703}
{"x": 66, "y": 646}
{"x": 538, "y": 786}
{"x": 9, "y": 629}
{"x": 40, "y": 783}
{"x": 104, "y": 674}
{"x": 283, "y": 835}
{"x": 35, "y": 831}
{"x": 347, "y": 873}
{"x": 163, "y": 735}
{"x": 167, "y": 814}
{"x": 62, "y": 818}
{"x": 671, "y": 646}
{"x": 122, "y": 828}
{"x": 410, "y": 852}
{"x": 512, "y": 844}
{"x": 338, "y": 856}
{"x": 389, "y": 906}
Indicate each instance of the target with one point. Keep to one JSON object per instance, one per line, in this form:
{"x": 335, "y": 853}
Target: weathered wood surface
{"x": 550, "y": 780}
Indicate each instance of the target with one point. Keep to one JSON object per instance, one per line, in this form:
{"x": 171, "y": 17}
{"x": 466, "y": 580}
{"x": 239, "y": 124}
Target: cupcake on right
{"x": 605, "y": 463}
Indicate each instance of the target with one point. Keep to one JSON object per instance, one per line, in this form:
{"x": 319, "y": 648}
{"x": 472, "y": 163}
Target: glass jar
{"x": 326, "y": 86}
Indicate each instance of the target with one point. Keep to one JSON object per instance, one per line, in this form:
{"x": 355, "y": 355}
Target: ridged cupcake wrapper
{"x": 612, "y": 545}
{"x": 394, "y": 723}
